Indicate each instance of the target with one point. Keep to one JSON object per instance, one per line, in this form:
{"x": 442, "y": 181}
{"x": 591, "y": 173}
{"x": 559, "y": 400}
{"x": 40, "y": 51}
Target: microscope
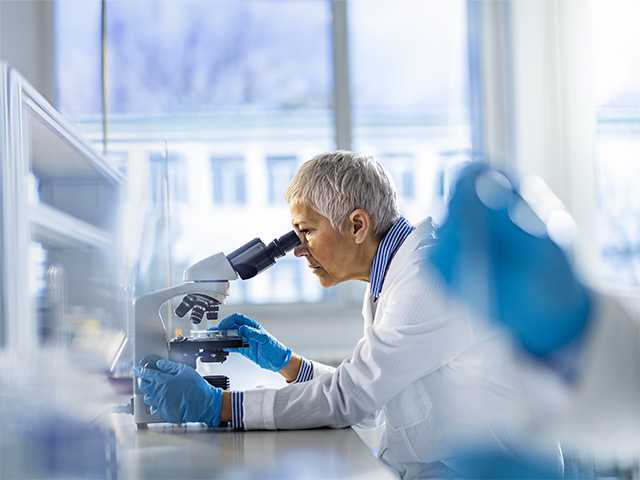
{"x": 205, "y": 287}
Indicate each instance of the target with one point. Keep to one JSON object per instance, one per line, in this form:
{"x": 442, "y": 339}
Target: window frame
{"x": 271, "y": 160}
{"x": 216, "y": 164}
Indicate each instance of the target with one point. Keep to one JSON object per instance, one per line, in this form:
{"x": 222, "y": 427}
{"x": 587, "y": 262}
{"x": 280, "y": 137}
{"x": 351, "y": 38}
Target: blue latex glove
{"x": 264, "y": 349}
{"x": 178, "y": 394}
{"x": 522, "y": 281}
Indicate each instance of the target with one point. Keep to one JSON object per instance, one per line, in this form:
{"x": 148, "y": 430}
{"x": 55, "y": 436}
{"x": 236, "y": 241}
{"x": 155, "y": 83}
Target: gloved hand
{"x": 263, "y": 349}
{"x": 521, "y": 280}
{"x": 179, "y": 394}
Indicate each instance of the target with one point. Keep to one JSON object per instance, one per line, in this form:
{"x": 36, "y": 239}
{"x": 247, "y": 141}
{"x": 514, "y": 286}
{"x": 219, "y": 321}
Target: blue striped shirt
{"x": 389, "y": 245}
{"x": 237, "y": 410}
{"x": 305, "y": 373}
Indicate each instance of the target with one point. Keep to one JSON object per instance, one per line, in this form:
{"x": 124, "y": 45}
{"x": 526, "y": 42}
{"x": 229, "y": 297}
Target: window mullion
{"x": 341, "y": 75}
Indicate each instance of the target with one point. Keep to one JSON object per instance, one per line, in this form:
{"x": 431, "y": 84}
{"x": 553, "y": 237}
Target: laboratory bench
{"x": 192, "y": 452}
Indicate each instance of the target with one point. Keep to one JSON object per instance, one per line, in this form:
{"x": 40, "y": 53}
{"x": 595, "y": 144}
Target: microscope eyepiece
{"x": 254, "y": 257}
{"x": 287, "y": 242}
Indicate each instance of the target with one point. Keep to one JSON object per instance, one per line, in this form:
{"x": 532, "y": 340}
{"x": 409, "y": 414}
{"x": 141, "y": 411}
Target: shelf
{"x": 70, "y": 205}
{"x": 57, "y": 147}
{"x": 53, "y": 227}
{"x": 57, "y": 150}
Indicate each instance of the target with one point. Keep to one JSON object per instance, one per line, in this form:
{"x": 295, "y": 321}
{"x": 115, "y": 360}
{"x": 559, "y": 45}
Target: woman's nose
{"x": 300, "y": 250}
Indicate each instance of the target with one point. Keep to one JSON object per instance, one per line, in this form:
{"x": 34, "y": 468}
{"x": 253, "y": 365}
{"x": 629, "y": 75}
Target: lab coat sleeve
{"x": 320, "y": 369}
{"x": 415, "y": 334}
{"x": 257, "y": 404}
{"x": 308, "y": 370}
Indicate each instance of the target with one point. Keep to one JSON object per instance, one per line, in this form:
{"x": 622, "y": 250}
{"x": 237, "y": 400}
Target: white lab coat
{"x": 434, "y": 374}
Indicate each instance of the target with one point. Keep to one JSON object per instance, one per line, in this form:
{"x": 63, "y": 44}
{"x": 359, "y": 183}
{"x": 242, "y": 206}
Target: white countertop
{"x": 166, "y": 451}
{"x": 194, "y": 452}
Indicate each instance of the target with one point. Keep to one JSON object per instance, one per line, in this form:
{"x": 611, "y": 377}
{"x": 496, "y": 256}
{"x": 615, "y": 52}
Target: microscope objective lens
{"x": 197, "y": 313}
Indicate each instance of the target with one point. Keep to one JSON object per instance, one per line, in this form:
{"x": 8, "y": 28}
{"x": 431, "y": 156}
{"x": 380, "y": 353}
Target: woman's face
{"x": 332, "y": 255}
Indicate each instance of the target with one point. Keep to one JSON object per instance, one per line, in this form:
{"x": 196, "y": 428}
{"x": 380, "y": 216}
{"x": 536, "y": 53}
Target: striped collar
{"x": 389, "y": 245}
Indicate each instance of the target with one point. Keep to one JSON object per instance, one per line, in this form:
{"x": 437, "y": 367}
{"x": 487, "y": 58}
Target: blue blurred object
{"x": 264, "y": 349}
{"x": 519, "y": 278}
{"x": 64, "y": 447}
{"x": 45, "y": 442}
{"x": 179, "y": 394}
{"x": 482, "y": 463}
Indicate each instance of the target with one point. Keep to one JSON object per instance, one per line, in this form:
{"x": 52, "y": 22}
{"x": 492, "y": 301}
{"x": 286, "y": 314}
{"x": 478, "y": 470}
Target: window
{"x": 402, "y": 169}
{"x": 242, "y": 97}
{"x": 247, "y": 80}
{"x": 409, "y": 101}
{"x": 168, "y": 170}
{"x": 280, "y": 283}
{"x": 168, "y": 57}
{"x": 287, "y": 281}
{"x": 281, "y": 170}
{"x": 617, "y": 65}
{"x": 229, "y": 181}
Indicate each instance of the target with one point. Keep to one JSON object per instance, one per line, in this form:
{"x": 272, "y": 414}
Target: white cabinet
{"x": 62, "y": 277}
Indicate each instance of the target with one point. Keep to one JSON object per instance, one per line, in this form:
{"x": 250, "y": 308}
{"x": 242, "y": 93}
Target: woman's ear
{"x": 359, "y": 225}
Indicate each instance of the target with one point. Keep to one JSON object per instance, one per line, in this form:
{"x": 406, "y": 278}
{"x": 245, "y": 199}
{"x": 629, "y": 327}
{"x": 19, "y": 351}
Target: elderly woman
{"x": 416, "y": 368}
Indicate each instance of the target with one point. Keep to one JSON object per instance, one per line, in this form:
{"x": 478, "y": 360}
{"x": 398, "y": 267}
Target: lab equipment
{"x": 264, "y": 349}
{"x": 496, "y": 254}
{"x": 205, "y": 287}
{"x": 178, "y": 394}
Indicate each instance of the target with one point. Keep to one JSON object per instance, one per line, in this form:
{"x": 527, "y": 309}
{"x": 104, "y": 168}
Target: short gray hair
{"x": 336, "y": 183}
